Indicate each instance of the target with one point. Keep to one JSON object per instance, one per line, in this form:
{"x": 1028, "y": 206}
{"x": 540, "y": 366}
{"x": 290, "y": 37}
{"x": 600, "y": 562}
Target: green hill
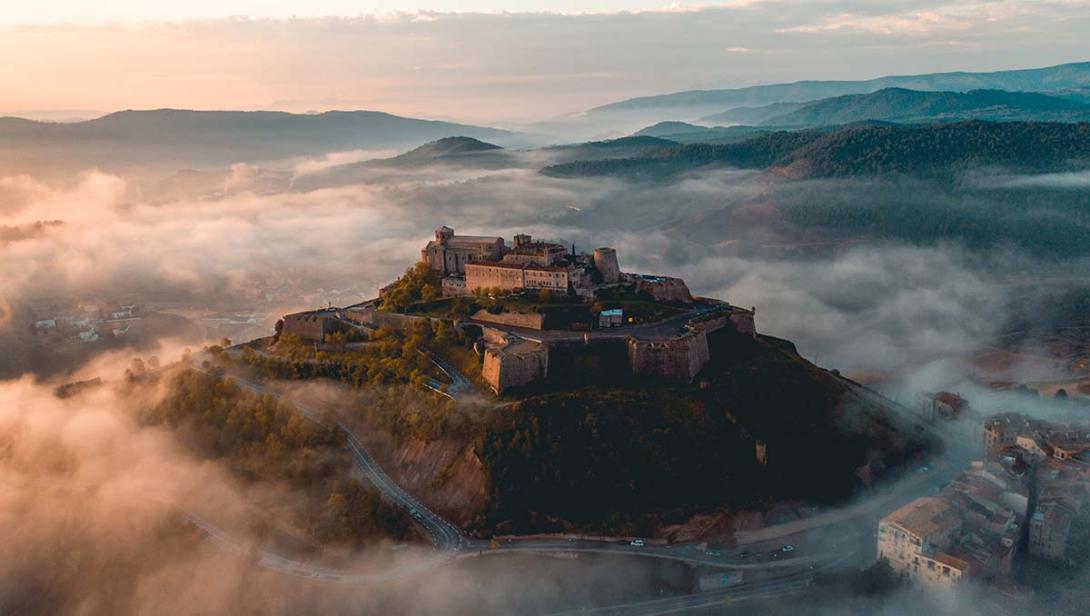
{"x": 866, "y": 150}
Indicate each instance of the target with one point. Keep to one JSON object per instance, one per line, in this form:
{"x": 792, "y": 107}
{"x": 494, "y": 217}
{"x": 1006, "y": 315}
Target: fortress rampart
{"x": 310, "y": 326}
{"x": 514, "y": 319}
{"x": 514, "y": 362}
{"x": 679, "y": 358}
{"x": 661, "y": 289}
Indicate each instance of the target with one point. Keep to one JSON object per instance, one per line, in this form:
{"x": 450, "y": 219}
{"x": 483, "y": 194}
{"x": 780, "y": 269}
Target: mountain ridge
{"x": 1073, "y": 75}
{"x": 905, "y": 105}
{"x": 135, "y": 137}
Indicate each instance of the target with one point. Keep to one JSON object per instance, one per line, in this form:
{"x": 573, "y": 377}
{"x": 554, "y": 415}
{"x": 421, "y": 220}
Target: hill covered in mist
{"x": 176, "y": 136}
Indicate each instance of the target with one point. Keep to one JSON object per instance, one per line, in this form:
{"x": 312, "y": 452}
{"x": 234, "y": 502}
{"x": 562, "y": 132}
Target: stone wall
{"x": 664, "y": 289}
{"x": 454, "y": 287}
{"x": 743, "y": 322}
{"x": 528, "y": 320}
{"x": 518, "y": 362}
{"x": 372, "y": 317}
{"x": 679, "y": 358}
{"x": 310, "y": 326}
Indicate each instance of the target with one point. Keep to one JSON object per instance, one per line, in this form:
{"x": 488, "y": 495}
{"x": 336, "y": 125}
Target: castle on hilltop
{"x": 640, "y": 325}
{"x": 469, "y": 263}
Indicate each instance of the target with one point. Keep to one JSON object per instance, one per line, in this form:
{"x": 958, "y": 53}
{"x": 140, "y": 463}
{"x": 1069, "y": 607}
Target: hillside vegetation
{"x": 606, "y": 453}
{"x": 628, "y": 459}
{"x": 261, "y": 441}
{"x": 867, "y": 150}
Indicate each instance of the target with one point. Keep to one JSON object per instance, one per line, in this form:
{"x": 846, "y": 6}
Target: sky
{"x": 493, "y": 62}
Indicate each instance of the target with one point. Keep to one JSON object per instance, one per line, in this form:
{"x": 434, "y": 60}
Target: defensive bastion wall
{"x": 680, "y": 358}
{"x": 514, "y": 362}
{"x": 510, "y": 361}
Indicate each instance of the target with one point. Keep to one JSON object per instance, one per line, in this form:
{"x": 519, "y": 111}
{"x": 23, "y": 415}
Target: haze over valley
{"x": 498, "y": 312}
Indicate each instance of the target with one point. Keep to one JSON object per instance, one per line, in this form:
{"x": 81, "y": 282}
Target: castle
{"x": 472, "y": 263}
{"x": 519, "y": 348}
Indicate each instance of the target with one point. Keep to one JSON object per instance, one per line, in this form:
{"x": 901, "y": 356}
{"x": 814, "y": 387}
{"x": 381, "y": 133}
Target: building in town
{"x": 914, "y": 540}
{"x": 970, "y": 530}
{"x": 1057, "y": 455}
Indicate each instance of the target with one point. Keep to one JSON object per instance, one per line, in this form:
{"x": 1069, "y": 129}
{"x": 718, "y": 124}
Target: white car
{"x": 787, "y": 548}
{"x": 636, "y": 543}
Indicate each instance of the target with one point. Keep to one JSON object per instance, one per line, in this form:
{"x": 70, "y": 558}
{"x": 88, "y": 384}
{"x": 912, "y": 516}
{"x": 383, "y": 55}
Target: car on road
{"x": 712, "y": 553}
{"x": 636, "y": 543}
{"x": 787, "y": 548}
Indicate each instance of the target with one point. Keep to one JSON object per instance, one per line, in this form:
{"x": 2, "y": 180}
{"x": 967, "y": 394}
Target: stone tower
{"x": 605, "y": 261}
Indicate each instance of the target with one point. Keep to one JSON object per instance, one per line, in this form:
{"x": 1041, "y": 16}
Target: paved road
{"x": 786, "y": 584}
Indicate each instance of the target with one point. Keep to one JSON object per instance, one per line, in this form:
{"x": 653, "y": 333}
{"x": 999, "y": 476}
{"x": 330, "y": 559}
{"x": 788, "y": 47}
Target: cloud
{"x": 1075, "y": 180}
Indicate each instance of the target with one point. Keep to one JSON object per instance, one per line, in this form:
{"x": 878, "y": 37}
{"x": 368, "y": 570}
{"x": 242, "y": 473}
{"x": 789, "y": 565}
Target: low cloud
{"x": 1074, "y": 180}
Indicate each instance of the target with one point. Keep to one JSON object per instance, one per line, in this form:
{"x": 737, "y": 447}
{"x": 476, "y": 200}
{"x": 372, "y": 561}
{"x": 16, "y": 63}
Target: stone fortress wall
{"x": 680, "y": 358}
{"x": 662, "y": 288}
{"x": 527, "y": 320}
{"x": 311, "y": 326}
{"x": 511, "y": 361}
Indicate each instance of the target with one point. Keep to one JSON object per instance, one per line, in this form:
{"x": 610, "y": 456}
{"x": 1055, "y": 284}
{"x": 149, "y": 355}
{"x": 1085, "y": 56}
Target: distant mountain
{"x": 692, "y": 133}
{"x": 901, "y": 105}
{"x": 664, "y": 130}
{"x": 636, "y": 146}
{"x": 446, "y": 148}
{"x": 696, "y": 103}
{"x": 175, "y": 136}
{"x": 866, "y": 150}
{"x": 752, "y": 115}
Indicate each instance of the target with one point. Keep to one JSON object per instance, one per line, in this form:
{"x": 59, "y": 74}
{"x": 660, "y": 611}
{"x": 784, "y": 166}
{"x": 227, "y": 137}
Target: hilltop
{"x": 602, "y": 452}
{"x": 447, "y": 147}
{"x": 573, "y": 396}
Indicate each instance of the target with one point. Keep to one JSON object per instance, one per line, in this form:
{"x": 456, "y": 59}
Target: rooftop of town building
{"x": 924, "y": 516}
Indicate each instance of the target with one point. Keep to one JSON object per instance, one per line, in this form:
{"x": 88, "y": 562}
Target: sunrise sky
{"x": 494, "y": 62}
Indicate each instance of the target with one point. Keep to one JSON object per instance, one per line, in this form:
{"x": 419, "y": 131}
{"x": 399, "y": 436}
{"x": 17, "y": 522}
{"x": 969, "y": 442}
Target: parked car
{"x": 787, "y": 548}
{"x": 636, "y": 543}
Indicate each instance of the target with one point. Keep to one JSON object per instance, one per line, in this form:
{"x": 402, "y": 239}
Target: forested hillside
{"x": 866, "y": 150}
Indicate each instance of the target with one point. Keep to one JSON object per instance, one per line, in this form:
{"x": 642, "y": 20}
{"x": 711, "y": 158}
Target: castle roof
{"x": 518, "y": 266}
